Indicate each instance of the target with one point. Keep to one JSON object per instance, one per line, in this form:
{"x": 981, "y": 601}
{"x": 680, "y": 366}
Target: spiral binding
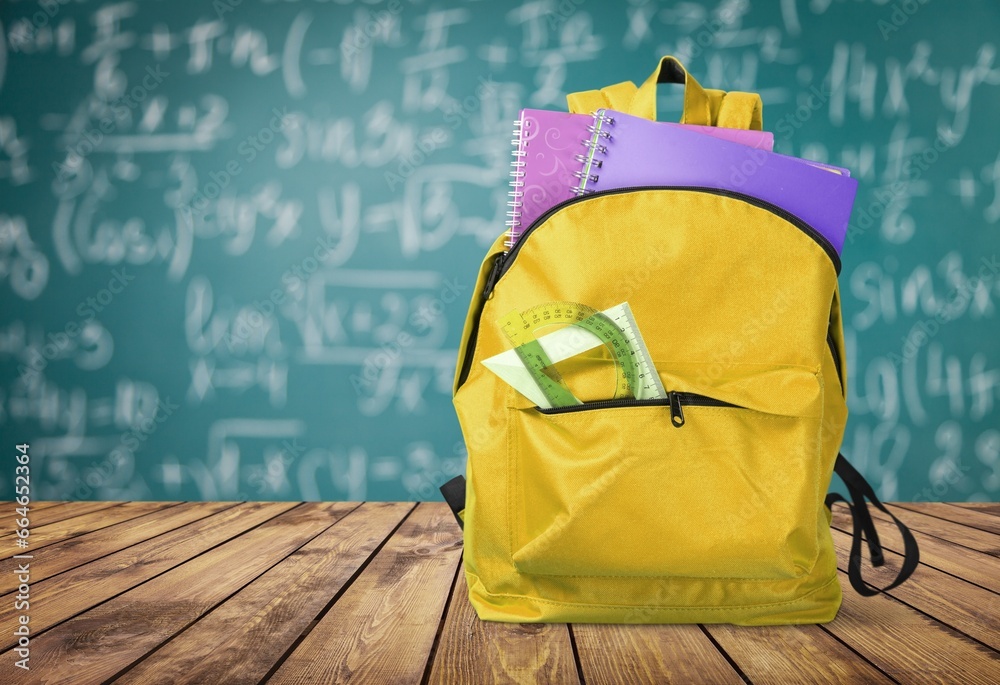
{"x": 516, "y": 194}
{"x": 603, "y": 116}
{"x": 589, "y": 160}
{"x": 583, "y": 159}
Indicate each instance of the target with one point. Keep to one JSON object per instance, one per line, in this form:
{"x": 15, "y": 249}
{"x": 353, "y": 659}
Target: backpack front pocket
{"x": 722, "y": 483}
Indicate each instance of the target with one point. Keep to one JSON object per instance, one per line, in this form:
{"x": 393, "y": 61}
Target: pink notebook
{"x": 550, "y": 150}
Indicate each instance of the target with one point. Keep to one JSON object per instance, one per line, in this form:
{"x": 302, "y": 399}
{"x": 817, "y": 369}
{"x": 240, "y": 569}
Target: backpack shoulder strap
{"x": 859, "y": 490}
{"x": 741, "y": 110}
{"x": 454, "y": 494}
{"x": 617, "y": 97}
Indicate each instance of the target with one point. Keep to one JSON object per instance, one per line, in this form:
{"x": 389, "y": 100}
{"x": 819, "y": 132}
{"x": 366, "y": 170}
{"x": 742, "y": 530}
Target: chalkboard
{"x": 238, "y": 238}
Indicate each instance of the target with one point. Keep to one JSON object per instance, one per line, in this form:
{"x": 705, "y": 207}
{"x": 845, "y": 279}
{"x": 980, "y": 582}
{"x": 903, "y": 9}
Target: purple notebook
{"x": 632, "y": 151}
{"x": 550, "y": 150}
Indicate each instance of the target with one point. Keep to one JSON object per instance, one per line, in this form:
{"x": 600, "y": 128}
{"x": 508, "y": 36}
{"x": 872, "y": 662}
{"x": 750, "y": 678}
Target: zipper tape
{"x": 504, "y": 260}
{"x": 675, "y": 400}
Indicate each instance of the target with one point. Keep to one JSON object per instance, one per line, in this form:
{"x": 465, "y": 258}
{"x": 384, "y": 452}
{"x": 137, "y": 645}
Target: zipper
{"x": 493, "y": 276}
{"x": 470, "y": 351}
{"x": 675, "y": 400}
{"x": 502, "y": 262}
{"x": 836, "y": 356}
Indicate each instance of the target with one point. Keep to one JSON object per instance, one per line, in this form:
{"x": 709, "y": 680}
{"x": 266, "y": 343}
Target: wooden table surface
{"x": 172, "y": 592}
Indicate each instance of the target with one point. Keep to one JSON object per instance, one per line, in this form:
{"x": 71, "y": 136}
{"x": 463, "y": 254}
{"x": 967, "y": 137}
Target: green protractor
{"x": 520, "y": 328}
{"x": 536, "y": 361}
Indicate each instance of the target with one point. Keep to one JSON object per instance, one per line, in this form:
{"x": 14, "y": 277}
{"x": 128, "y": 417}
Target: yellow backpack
{"x": 704, "y": 507}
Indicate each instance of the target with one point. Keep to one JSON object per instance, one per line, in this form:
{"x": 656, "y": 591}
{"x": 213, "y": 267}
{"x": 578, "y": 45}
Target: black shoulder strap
{"x": 454, "y": 494}
{"x": 859, "y": 489}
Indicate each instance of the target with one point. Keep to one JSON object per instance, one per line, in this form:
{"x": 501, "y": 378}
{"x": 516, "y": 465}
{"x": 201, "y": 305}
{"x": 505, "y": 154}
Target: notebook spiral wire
{"x": 599, "y": 132}
{"x": 516, "y": 192}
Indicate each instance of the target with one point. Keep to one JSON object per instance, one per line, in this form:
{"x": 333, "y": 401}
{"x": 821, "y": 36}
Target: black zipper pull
{"x": 494, "y": 274}
{"x": 676, "y": 413}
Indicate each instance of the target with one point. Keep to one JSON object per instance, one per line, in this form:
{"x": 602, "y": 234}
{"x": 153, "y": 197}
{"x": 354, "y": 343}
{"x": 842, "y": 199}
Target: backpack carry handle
{"x": 702, "y": 106}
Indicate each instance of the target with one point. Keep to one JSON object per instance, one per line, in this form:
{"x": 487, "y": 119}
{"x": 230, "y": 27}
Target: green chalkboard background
{"x": 146, "y": 356}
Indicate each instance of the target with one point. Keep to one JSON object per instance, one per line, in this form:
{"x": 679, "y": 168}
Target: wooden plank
{"x": 956, "y": 533}
{"x": 474, "y": 651}
{"x": 8, "y": 513}
{"x": 62, "y": 556}
{"x": 86, "y": 586}
{"x": 103, "y": 641}
{"x": 45, "y": 504}
{"x": 967, "y": 517}
{"x": 383, "y": 627}
{"x": 78, "y": 525}
{"x": 908, "y": 646}
{"x": 241, "y": 640}
{"x": 986, "y": 507}
{"x": 650, "y": 654}
{"x": 61, "y": 512}
{"x": 964, "y": 606}
{"x": 792, "y": 654}
{"x": 963, "y": 562}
